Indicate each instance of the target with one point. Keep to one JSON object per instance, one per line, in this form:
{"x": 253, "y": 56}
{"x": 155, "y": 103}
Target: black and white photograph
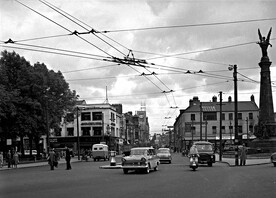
{"x": 137, "y": 98}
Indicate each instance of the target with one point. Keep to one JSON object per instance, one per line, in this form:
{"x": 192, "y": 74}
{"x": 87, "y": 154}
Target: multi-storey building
{"x": 201, "y": 121}
{"x": 90, "y": 124}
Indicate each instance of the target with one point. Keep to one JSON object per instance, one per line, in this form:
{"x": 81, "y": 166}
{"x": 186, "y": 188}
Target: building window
{"x": 240, "y": 116}
{"x": 251, "y": 129}
{"x": 230, "y": 116}
{"x": 222, "y": 129}
{"x": 112, "y": 115}
{"x": 193, "y": 117}
{"x": 85, "y": 131}
{"x": 250, "y": 115}
{"x": 97, "y": 115}
{"x": 214, "y": 129}
{"x": 85, "y": 116}
{"x": 69, "y": 117}
{"x": 97, "y": 130}
{"x": 222, "y": 116}
{"x": 209, "y": 116}
{"x": 70, "y": 131}
{"x": 240, "y": 129}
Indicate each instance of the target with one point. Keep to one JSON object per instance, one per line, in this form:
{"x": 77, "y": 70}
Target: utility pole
{"x": 78, "y": 133}
{"x": 231, "y": 67}
{"x": 236, "y": 115}
{"x": 247, "y": 131}
{"x": 220, "y": 124}
{"x": 200, "y": 106}
{"x": 102, "y": 127}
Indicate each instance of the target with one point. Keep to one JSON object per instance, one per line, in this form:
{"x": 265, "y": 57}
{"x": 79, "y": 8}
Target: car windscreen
{"x": 138, "y": 152}
{"x": 204, "y": 147}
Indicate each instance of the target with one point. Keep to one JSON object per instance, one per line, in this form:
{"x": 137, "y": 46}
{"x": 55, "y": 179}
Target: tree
{"x": 28, "y": 95}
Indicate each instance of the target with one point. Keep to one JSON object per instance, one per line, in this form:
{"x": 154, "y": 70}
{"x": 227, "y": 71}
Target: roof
{"x": 226, "y": 106}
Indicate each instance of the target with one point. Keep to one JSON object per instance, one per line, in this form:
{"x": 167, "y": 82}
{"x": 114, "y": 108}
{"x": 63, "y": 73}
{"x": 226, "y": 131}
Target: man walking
{"x": 68, "y": 159}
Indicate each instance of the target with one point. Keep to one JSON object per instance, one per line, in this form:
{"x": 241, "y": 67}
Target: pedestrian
{"x": 52, "y": 159}
{"x": 9, "y": 158}
{"x": 243, "y": 152}
{"x": 15, "y": 159}
{"x": 1, "y": 159}
{"x": 68, "y": 159}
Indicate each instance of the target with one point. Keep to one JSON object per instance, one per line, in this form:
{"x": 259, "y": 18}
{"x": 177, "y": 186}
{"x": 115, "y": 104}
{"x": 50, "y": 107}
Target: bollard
{"x": 34, "y": 158}
{"x": 113, "y": 160}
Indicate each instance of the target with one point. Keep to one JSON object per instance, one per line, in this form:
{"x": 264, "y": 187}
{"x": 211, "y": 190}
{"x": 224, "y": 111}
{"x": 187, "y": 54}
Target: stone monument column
{"x": 266, "y": 113}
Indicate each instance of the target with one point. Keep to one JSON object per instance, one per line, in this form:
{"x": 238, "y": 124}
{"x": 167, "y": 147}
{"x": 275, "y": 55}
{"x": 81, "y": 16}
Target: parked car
{"x": 273, "y": 158}
{"x": 164, "y": 155}
{"x": 141, "y": 158}
{"x": 206, "y": 152}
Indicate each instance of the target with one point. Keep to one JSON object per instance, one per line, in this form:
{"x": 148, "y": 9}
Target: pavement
{"x": 229, "y": 161}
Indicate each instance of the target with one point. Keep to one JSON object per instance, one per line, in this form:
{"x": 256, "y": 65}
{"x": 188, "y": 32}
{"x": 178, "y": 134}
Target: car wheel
{"x": 125, "y": 171}
{"x": 147, "y": 170}
{"x": 170, "y": 161}
{"x": 94, "y": 159}
{"x": 274, "y": 164}
{"x": 156, "y": 167}
{"x": 210, "y": 164}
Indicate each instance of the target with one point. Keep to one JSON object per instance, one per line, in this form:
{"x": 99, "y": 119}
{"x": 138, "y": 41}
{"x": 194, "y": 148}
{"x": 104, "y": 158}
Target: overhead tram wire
{"x": 62, "y": 50}
{"x": 62, "y": 27}
{"x": 189, "y": 25}
{"x": 65, "y": 15}
{"x": 93, "y": 33}
{"x": 49, "y": 52}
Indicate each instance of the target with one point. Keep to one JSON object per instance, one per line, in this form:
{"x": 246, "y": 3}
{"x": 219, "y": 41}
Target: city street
{"x": 86, "y": 179}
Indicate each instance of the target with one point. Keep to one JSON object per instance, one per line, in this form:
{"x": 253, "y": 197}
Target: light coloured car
{"x": 141, "y": 158}
{"x": 273, "y": 158}
{"x": 164, "y": 155}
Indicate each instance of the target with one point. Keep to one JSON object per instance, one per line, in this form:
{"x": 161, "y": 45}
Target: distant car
{"x": 141, "y": 158}
{"x": 273, "y": 158}
{"x": 27, "y": 152}
{"x": 164, "y": 155}
{"x": 206, "y": 152}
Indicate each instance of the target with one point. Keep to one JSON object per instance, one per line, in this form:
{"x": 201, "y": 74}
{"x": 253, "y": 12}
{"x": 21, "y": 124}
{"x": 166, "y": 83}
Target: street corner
{"x": 111, "y": 167}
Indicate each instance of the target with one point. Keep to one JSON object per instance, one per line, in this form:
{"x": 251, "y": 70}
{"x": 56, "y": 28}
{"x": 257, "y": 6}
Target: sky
{"x": 166, "y": 38}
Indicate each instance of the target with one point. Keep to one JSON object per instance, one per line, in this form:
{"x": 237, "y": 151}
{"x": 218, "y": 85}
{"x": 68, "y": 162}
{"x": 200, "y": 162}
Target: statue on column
{"x": 264, "y": 42}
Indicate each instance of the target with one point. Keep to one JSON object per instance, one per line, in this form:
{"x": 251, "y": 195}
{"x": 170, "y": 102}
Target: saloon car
{"x": 273, "y": 158}
{"x": 164, "y": 155}
{"x": 206, "y": 152}
{"x": 141, "y": 158}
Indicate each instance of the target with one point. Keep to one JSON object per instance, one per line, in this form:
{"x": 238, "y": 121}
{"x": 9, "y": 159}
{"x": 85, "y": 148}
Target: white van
{"x": 100, "y": 151}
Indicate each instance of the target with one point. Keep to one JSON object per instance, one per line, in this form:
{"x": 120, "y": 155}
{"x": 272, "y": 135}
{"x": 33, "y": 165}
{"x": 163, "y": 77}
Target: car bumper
{"x": 134, "y": 167}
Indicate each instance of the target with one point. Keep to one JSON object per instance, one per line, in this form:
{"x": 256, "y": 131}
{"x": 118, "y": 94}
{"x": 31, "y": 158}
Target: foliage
{"x": 28, "y": 94}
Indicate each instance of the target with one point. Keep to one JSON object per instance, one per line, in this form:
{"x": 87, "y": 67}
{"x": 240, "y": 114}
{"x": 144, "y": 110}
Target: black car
{"x": 206, "y": 152}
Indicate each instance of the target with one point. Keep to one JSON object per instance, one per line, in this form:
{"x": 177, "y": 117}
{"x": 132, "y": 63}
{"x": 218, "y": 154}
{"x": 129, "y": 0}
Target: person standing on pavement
{"x": 68, "y": 159}
{"x": 9, "y": 158}
{"x": 51, "y": 159}
{"x": 15, "y": 159}
{"x": 243, "y": 156}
